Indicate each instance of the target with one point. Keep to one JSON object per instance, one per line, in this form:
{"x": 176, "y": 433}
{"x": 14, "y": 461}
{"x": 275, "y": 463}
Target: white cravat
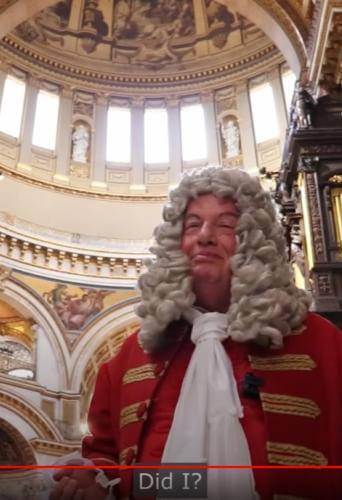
{"x": 206, "y": 427}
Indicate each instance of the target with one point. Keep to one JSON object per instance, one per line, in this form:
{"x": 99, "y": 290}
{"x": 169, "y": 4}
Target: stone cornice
{"x": 56, "y": 261}
{"x": 32, "y": 385}
{"x": 72, "y": 190}
{"x": 54, "y": 448}
{"x": 98, "y": 81}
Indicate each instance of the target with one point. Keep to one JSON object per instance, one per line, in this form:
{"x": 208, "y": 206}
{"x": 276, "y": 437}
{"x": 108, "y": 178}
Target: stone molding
{"x": 54, "y": 448}
{"x": 60, "y": 72}
{"x": 40, "y": 257}
{"x": 24, "y": 409}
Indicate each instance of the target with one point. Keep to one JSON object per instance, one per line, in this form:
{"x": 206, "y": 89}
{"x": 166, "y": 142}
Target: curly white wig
{"x": 265, "y": 304}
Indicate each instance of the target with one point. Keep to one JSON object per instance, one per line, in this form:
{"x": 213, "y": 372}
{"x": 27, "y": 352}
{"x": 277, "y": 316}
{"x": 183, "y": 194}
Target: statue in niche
{"x": 80, "y": 143}
{"x": 231, "y": 136}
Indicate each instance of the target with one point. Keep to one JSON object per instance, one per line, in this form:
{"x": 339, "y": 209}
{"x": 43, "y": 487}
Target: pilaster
{"x": 175, "y": 139}
{"x": 246, "y": 127}
{"x": 99, "y": 167}
{"x": 207, "y": 100}
{"x": 137, "y": 144}
{"x": 31, "y": 95}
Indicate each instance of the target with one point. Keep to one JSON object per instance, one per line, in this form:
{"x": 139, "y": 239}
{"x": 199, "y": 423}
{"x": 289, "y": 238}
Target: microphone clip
{"x": 250, "y": 386}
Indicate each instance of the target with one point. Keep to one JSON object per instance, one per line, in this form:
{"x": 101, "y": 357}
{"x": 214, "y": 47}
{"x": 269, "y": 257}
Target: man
{"x": 228, "y": 366}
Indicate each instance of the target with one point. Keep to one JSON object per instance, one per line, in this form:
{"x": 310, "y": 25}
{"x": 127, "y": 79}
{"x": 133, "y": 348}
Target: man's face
{"x": 208, "y": 239}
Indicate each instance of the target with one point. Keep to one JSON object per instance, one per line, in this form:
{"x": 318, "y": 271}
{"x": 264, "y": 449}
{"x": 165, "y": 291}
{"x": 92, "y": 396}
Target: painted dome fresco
{"x": 133, "y": 42}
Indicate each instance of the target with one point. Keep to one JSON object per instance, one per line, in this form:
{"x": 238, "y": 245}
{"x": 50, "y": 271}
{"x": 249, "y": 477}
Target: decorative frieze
{"x": 41, "y": 256}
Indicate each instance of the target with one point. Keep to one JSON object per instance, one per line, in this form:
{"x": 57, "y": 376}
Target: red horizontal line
{"x": 168, "y": 467}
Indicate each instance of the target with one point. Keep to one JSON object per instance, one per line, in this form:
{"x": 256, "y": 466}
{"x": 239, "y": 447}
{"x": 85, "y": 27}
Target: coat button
{"x": 130, "y": 456}
{"x": 141, "y": 411}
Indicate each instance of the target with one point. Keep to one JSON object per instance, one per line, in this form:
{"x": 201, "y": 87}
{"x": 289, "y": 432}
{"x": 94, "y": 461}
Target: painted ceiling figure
{"x": 229, "y": 366}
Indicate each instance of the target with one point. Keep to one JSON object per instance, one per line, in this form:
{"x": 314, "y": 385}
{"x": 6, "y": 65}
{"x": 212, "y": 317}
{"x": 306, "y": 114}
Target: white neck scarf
{"x": 206, "y": 427}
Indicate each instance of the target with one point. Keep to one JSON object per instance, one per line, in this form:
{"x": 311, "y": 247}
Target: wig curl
{"x": 265, "y": 304}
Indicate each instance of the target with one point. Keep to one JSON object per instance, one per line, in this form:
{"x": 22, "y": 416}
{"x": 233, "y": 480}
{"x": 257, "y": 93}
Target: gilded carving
{"x": 316, "y": 226}
{"x": 336, "y": 179}
{"x": 324, "y": 284}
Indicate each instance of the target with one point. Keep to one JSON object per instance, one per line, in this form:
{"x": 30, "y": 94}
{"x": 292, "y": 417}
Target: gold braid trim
{"x": 284, "y": 362}
{"x": 292, "y": 405}
{"x": 123, "y": 454}
{"x": 291, "y": 454}
{"x": 143, "y": 372}
{"x": 128, "y": 414}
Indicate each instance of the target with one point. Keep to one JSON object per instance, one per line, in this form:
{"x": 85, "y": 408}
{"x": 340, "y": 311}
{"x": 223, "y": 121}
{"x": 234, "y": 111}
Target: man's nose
{"x": 207, "y": 234}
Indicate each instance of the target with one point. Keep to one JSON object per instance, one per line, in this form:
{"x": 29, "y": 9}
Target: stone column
{"x": 248, "y": 145}
{"x": 100, "y": 139}
{"x": 175, "y": 139}
{"x": 63, "y": 136}
{"x": 275, "y": 82}
{"x": 207, "y": 100}
{"x": 31, "y": 94}
{"x": 137, "y": 145}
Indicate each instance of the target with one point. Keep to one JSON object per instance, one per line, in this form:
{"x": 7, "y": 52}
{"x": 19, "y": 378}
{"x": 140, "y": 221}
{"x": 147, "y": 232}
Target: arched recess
{"x": 30, "y": 305}
{"x": 33, "y": 422}
{"x": 15, "y": 449}
{"x": 19, "y": 11}
{"x": 114, "y": 319}
{"x": 271, "y": 18}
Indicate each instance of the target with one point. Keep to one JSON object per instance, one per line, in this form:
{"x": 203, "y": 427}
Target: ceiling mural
{"x": 4, "y": 4}
{"x": 150, "y": 34}
{"x": 75, "y": 306}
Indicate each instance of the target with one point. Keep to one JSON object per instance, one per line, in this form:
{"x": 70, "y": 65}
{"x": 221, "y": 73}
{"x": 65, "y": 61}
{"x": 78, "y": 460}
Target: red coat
{"x": 296, "y": 421}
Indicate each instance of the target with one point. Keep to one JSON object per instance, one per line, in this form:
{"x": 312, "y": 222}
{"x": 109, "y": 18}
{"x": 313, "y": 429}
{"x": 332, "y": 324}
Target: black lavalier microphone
{"x": 250, "y": 385}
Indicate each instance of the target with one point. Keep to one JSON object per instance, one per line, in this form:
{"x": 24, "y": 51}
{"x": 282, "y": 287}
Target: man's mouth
{"x": 204, "y": 256}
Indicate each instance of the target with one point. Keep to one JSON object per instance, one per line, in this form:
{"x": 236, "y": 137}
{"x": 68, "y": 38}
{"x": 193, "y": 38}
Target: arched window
{"x": 156, "y": 136}
{"x": 118, "y": 135}
{"x": 194, "y": 143}
{"x": 46, "y": 119}
{"x": 12, "y": 105}
{"x": 264, "y": 113}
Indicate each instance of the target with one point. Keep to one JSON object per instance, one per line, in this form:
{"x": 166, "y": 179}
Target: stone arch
{"x": 271, "y": 18}
{"x": 18, "y": 450}
{"x": 41, "y": 425}
{"x": 31, "y": 305}
{"x": 97, "y": 333}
